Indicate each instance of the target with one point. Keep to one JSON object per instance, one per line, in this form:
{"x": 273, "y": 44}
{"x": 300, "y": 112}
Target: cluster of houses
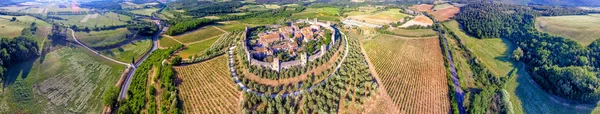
{"x": 285, "y": 39}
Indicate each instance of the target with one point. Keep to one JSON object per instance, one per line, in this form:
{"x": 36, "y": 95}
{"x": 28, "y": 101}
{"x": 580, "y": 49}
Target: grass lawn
{"x": 381, "y": 18}
{"x": 132, "y": 50}
{"x": 107, "y": 19}
{"x": 196, "y": 48}
{"x": 200, "y": 34}
{"x": 12, "y": 29}
{"x": 65, "y": 80}
{"x": 391, "y": 14}
{"x": 232, "y": 25}
{"x": 167, "y": 42}
{"x": 583, "y": 28}
{"x": 147, "y": 11}
{"x": 272, "y": 6}
{"x": 414, "y": 32}
{"x": 327, "y": 14}
{"x": 493, "y": 52}
{"x": 102, "y": 38}
{"x": 527, "y": 97}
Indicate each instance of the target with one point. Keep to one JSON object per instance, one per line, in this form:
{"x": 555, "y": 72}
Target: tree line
{"x": 18, "y": 49}
{"x": 560, "y": 66}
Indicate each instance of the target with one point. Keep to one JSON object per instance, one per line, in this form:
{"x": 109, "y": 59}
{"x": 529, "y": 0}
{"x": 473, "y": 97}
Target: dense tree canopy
{"x": 561, "y": 66}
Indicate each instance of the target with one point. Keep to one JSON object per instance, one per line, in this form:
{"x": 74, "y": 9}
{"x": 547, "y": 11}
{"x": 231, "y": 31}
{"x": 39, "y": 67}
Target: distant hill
{"x": 557, "y": 2}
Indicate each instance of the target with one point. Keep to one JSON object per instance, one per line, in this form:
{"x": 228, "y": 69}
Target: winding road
{"x": 95, "y": 52}
{"x": 125, "y": 86}
{"x": 295, "y": 93}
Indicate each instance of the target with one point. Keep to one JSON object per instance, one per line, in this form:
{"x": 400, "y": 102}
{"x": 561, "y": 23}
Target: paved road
{"x": 95, "y": 52}
{"x": 125, "y": 85}
{"x": 295, "y": 93}
{"x": 458, "y": 91}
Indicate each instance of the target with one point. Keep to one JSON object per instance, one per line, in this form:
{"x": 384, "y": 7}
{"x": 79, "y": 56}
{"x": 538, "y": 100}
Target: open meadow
{"x": 88, "y": 20}
{"x": 412, "y": 71}
{"x": 165, "y": 41}
{"x": 132, "y": 50}
{"x": 493, "y": 52}
{"x": 69, "y": 79}
{"x": 382, "y": 17}
{"x": 201, "y": 34}
{"x": 12, "y": 29}
{"x": 325, "y": 13}
{"x": 196, "y": 48}
{"x": 582, "y": 28}
{"x": 105, "y": 37}
{"x": 146, "y": 12}
{"x": 207, "y": 87}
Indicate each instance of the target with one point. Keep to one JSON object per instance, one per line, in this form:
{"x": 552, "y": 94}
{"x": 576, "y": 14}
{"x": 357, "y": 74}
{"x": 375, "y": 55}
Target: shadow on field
{"x": 21, "y": 70}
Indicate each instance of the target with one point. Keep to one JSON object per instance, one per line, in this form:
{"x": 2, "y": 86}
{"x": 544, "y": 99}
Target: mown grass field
{"x": 382, "y": 17}
{"x": 199, "y": 35}
{"x": 326, "y": 13}
{"x": 196, "y": 48}
{"x": 102, "y": 38}
{"x": 527, "y": 97}
{"x": 65, "y": 80}
{"x": 583, "y": 28}
{"x": 147, "y": 11}
{"x": 493, "y": 52}
{"x": 207, "y": 87}
{"x": 12, "y": 29}
{"x": 414, "y": 32}
{"x": 133, "y": 50}
{"x": 165, "y": 42}
{"x": 412, "y": 71}
{"x": 107, "y": 19}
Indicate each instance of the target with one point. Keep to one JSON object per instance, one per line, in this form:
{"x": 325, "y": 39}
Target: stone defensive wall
{"x": 277, "y": 65}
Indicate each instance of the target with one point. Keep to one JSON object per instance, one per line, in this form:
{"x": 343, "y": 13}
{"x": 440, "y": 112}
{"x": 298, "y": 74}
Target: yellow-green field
{"x": 134, "y": 50}
{"x": 382, "y": 17}
{"x": 165, "y": 42}
{"x": 12, "y": 29}
{"x": 583, "y": 28}
{"x": 199, "y": 35}
{"x": 494, "y": 52}
{"x": 326, "y": 13}
{"x": 196, "y": 48}
{"x": 107, "y": 19}
{"x": 146, "y": 12}
{"x": 65, "y": 80}
{"x": 105, "y": 37}
{"x": 441, "y": 6}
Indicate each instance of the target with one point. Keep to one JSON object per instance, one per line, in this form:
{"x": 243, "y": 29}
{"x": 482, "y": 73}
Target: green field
{"x": 527, "y": 97}
{"x": 146, "y": 12}
{"x": 391, "y": 14}
{"x": 107, "y": 19}
{"x": 493, "y": 52}
{"x": 584, "y": 28}
{"x": 13, "y": 29}
{"x": 327, "y": 14}
{"x": 199, "y": 35}
{"x": 103, "y": 38}
{"x": 196, "y": 48}
{"x": 65, "y": 80}
{"x": 132, "y": 50}
{"x": 167, "y": 42}
{"x": 414, "y": 32}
